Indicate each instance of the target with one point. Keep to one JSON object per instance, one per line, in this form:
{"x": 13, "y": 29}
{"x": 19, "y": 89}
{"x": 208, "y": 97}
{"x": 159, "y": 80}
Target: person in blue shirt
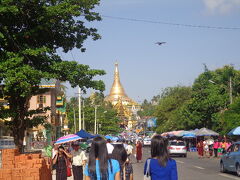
{"x": 161, "y": 165}
{"x": 100, "y": 166}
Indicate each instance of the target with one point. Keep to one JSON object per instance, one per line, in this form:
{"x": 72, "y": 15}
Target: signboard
{"x": 152, "y": 122}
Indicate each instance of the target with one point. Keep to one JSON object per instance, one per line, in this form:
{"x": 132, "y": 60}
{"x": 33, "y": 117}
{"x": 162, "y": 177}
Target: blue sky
{"x": 146, "y": 68}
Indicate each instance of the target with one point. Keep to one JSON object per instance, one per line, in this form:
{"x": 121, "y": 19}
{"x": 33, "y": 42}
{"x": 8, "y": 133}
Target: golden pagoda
{"x": 121, "y": 102}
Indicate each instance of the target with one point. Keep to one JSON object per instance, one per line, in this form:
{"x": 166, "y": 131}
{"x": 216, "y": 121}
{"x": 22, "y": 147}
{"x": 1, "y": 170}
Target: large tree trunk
{"x": 19, "y": 105}
{"x": 18, "y": 134}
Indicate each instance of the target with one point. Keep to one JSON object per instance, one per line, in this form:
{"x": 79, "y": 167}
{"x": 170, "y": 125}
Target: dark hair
{"x": 98, "y": 150}
{"x": 159, "y": 149}
{"x": 61, "y": 147}
{"x": 120, "y": 154}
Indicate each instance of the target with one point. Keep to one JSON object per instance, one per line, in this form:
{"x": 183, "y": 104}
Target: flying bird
{"x": 160, "y": 43}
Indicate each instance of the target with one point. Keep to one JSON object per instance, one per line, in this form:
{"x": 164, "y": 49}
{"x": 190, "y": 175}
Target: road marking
{"x": 228, "y": 176}
{"x": 198, "y": 167}
{"x": 180, "y": 162}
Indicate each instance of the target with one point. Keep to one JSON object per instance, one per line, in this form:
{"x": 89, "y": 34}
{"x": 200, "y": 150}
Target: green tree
{"x": 106, "y": 114}
{"x": 30, "y": 34}
{"x": 210, "y": 98}
{"x": 169, "y": 108}
{"x": 147, "y": 109}
{"x": 231, "y": 117}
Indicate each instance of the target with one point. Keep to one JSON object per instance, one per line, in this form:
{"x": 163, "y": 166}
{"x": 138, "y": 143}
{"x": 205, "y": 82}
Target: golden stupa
{"x": 125, "y": 106}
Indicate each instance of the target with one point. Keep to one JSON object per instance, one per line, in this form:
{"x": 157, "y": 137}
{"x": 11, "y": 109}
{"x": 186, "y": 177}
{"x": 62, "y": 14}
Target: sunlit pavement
{"x": 190, "y": 168}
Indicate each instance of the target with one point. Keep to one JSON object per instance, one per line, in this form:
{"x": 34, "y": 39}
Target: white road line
{"x": 198, "y": 167}
{"x": 180, "y": 162}
{"x": 228, "y": 176}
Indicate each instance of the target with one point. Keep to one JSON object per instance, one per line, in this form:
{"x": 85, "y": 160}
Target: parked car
{"x": 230, "y": 161}
{"x": 147, "y": 141}
{"x": 177, "y": 148}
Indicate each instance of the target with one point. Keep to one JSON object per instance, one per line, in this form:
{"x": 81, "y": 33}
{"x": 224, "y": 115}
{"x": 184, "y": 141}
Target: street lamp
{"x": 230, "y": 88}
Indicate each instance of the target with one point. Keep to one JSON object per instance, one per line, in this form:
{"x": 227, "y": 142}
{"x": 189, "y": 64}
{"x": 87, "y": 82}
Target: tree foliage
{"x": 205, "y": 104}
{"x": 30, "y": 34}
{"x": 169, "y": 107}
{"x": 106, "y": 115}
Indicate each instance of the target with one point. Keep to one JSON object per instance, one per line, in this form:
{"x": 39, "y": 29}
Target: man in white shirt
{"x": 129, "y": 148}
{"x": 110, "y": 147}
{"x": 79, "y": 159}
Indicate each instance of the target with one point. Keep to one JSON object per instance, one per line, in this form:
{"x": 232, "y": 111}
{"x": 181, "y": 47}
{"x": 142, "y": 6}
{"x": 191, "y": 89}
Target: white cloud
{"x": 221, "y": 6}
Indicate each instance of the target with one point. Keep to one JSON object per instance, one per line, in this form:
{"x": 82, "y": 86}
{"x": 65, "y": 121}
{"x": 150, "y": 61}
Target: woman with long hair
{"x": 119, "y": 153}
{"x": 161, "y": 166}
{"x": 100, "y": 166}
{"x": 60, "y": 160}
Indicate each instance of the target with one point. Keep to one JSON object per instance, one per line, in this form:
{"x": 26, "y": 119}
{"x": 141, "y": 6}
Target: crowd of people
{"x": 107, "y": 161}
{"x": 212, "y": 148}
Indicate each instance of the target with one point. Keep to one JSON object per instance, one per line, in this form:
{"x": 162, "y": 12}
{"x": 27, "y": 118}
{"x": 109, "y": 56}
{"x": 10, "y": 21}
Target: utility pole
{"x": 83, "y": 116}
{"x": 230, "y": 90}
{"x": 79, "y": 107}
{"x": 95, "y": 123}
{"x": 74, "y": 117}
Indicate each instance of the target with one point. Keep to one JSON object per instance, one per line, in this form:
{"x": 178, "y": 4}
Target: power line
{"x": 172, "y": 24}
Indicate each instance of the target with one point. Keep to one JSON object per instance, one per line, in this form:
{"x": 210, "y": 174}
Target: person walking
{"x": 61, "y": 159}
{"x": 200, "y": 149}
{"x": 224, "y": 146}
{"x": 206, "y": 149}
{"x": 79, "y": 160}
{"x": 100, "y": 166}
{"x": 139, "y": 151}
{"x": 129, "y": 149}
{"x": 109, "y": 146}
{"x": 215, "y": 148}
{"x": 120, "y": 154}
{"x": 161, "y": 166}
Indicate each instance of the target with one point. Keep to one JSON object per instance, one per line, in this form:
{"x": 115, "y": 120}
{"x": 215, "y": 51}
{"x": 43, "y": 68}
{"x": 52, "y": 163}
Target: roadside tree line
{"x": 213, "y": 101}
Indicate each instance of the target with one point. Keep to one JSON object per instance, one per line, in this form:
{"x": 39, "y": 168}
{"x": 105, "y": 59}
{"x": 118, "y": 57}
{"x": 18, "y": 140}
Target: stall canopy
{"x": 235, "y": 131}
{"x": 84, "y": 134}
{"x": 206, "y": 132}
{"x": 189, "y": 135}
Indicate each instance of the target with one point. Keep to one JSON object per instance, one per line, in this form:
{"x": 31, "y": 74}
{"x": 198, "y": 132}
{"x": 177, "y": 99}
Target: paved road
{"x": 190, "y": 168}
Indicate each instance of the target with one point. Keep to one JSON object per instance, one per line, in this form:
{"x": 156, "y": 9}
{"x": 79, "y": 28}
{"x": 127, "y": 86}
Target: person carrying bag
{"x": 147, "y": 175}
{"x": 63, "y": 165}
{"x": 160, "y": 166}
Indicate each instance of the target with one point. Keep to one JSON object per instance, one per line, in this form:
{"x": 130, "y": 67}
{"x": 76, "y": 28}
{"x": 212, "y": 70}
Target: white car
{"x": 177, "y": 148}
{"x": 147, "y": 142}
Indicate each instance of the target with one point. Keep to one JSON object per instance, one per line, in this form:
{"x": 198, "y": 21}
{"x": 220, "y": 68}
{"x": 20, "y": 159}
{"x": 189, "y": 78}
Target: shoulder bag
{"x": 147, "y": 175}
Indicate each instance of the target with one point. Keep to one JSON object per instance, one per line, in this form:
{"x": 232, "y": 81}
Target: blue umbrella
{"x": 235, "y": 131}
{"x": 108, "y": 137}
{"x": 115, "y": 138}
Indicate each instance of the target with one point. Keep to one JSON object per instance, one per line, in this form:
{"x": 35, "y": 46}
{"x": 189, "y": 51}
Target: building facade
{"x": 55, "y": 123}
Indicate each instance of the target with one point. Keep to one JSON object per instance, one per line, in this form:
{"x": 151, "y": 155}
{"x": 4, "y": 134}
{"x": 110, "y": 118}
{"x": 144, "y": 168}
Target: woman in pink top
{"x": 215, "y": 147}
{"x": 228, "y": 144}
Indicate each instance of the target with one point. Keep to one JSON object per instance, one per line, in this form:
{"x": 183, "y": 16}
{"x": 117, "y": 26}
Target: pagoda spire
{"x": 117, "y": 89}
